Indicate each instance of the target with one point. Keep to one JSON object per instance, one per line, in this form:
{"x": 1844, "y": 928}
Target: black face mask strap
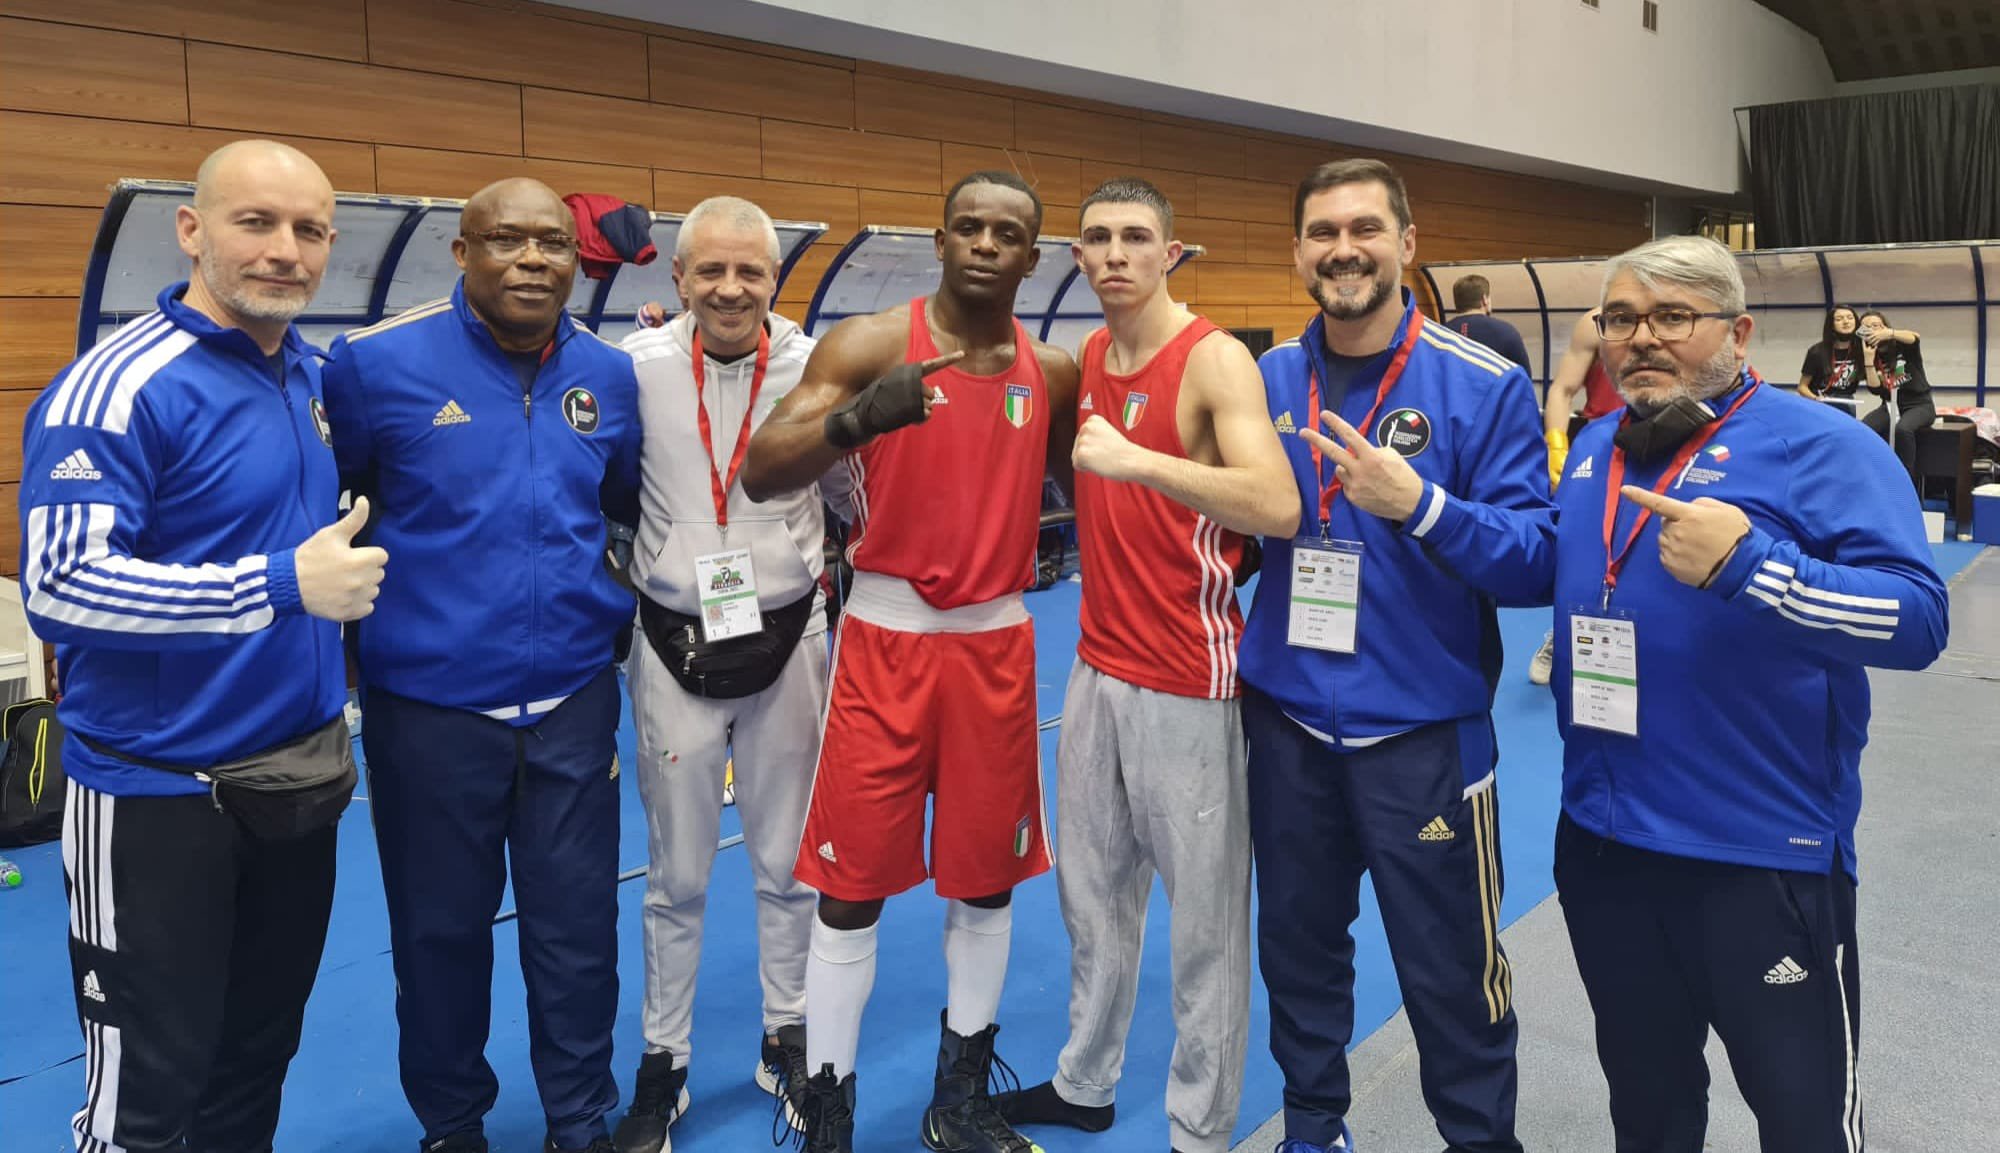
{"x": 1650, "y": 438}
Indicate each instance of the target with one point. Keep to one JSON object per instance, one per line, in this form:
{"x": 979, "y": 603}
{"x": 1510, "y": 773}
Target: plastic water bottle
{"x": 10, "y": 874}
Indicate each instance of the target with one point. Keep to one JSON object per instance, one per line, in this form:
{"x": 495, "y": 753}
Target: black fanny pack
{"x": 281, "y": 792}
{"x": 724, "y": 670}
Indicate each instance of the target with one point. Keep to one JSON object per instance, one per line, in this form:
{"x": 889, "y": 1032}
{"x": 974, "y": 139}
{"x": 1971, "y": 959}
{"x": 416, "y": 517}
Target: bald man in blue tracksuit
{"x": 494, "y": 434}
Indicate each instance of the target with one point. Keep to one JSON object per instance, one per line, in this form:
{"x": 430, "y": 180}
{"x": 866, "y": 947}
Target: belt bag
{"x": 282, "y": 792}
{"x": 724, "y": 670}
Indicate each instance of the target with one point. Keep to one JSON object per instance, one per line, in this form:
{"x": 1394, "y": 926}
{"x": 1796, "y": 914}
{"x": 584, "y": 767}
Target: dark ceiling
{"x": 1870, "y": 39}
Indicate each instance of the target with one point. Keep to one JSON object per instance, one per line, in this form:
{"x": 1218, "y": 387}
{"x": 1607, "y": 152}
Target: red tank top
{"x": 954, "y": 505}
{"x": 1599, "y": 394}
{"x": 1159, "y": 589}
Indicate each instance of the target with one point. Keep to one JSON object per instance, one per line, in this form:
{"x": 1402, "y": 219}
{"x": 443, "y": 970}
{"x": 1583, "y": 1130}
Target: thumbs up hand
{"x": 1696, "y": 538}
{"x": 337, "y": 581}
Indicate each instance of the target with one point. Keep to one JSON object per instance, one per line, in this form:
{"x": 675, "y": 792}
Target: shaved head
{"x": 227, "y": 165}
{"x": 502, "y": 198}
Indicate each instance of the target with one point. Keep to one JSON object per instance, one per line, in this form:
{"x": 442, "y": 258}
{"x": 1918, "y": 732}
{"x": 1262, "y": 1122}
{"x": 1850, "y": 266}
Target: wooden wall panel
{"x": 1222, "y": 238}
{"x": 1060, "y": 220}
{"x": 429, "y": 172}
{"x": 1284, "y": 321}
{"x": 1284, "y": 162}
{"x": 723, "y": 79}
{"x": 905, "y": 209}
{"x": 1255, "y": 201}
{"x": 41, "y": 338}
{"x": 75, "y": 160}
{"x": 1267, "y": 244}
{"x": 462, "y": 39}
{"x": 336, "y": 28}
{"x": 1191, "y": 149}
{"x": 10, "y": 527}
{"x": 1240, "y": 283}
{"x": 837, "y": 208}
{"x": 248, "y": 90}
{"x": 575, "y": 126}
{"x": 1054, "y": 178}
{"x": 814, "y": 155}
{"x": 43, "y": 246}
{"x": 1068, "y": 132}
{"x": 904, "y": 108}
{"x": 1226, "y": 315}
{"x": 59, "y": 68}
{"x": 14, "y": 404}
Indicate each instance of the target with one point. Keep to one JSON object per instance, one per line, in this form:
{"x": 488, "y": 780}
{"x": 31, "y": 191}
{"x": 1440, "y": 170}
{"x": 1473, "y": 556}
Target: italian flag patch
{"x": 1135, "y": 408}
{"x": 1023, "y": 835}
{"x": 1019, "y": 405}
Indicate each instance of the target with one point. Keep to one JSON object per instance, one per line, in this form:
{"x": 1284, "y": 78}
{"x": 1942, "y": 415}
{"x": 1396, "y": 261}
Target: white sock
{"x": 840, "y": 973}
{"x": 975, "y": 960}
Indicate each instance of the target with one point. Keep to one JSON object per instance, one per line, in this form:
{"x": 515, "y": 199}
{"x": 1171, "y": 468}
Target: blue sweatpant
{"x": 1401, "y": 811}
{"x": 1670, "y": 946}
{"x": 457, "y": 797}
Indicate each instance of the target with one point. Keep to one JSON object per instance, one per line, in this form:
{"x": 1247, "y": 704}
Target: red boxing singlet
{"x": 1159, "y": 590}
{"x": 954, "y": 505}
{"x": 1599, "y": 394}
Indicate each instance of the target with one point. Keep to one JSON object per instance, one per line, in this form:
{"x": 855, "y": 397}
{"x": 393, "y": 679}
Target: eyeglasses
{"x": 1667, "y": 324}
{"x": 507, "y": 245}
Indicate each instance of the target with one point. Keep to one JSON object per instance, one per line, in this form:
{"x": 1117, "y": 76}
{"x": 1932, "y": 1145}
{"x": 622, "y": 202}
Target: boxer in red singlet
{"x": 1175, "y": 457}
{"x": 948, "y": 415}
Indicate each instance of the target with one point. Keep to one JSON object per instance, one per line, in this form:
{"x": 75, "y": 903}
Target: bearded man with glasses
{"x": 1730, "y": 561}
{"x": 494, "y": 434}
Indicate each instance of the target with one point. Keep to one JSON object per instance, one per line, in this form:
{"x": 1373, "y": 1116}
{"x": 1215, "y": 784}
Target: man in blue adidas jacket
{"x": 1368, "y": 665}
{"x": 178, "y": 547}
{"x": 495, "y": 433}
{"x": 1711, "y": 684}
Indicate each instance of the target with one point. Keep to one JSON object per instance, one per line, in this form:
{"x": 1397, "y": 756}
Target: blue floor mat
{"x": 343, "y": 1092}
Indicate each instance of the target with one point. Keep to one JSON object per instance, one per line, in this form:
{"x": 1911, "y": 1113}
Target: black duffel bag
{"x": 285, "y": 791}
{"x": 724, "y": 670}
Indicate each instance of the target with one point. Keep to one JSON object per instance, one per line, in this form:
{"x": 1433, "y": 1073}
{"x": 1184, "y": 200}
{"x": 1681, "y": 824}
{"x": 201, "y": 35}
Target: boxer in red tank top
{"x": 1175, "y": 457}
{"x": 948, "y": 415}
{"x": 1578, "y": 371}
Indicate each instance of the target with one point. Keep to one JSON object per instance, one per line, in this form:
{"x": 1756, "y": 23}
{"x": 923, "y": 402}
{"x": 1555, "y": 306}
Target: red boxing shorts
{"x": 915, "y": 715}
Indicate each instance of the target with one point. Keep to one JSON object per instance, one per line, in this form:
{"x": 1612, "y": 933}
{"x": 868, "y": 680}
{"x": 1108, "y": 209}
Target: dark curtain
{"x": 1894, "y": 168}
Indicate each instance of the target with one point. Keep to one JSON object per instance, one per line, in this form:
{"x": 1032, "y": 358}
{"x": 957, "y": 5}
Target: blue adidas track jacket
{"x": 490, "y": 504}
{"x": 167, "y": 475}
{"x": 1753, "y": 693}
{"x": 1427, "y": 640}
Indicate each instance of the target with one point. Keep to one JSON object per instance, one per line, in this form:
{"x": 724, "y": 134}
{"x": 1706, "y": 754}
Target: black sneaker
{"x": 659, "y": 1098}
{"x": 961, "y": 1117}
{"x": 829, "y": 1114}
{"x": 598, "y": 1144}
{"x": 1042, "y": 1105}
{"x": 472, "y": 1141}
{"x": 782, "y": 1074}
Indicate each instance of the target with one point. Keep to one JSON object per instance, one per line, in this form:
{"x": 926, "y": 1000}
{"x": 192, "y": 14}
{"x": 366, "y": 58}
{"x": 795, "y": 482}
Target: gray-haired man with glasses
{"x": 1730, "y": 561}
{"x": 494, "y": 434}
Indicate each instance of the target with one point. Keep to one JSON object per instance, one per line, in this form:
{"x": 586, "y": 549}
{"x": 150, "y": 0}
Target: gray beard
{"x": 243, "y": 302}
{"x": 1715, "y": 377}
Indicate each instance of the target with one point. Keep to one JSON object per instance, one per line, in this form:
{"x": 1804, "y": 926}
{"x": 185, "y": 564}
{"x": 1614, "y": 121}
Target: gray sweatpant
{"x": 684, "y": 742}
{"x": 1152, "y": 781}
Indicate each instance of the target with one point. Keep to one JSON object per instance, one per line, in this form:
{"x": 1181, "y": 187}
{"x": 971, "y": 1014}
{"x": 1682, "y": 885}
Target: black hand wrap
{"x": 894, "y": 399}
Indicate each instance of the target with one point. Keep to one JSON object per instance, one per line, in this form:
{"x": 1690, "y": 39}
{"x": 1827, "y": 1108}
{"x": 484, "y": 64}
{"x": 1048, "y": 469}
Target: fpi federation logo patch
{"x": 1406, "y": 430}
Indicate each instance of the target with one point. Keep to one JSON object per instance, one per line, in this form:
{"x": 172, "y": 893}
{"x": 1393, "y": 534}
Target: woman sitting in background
{"x": 1833, "y": 367}
{"x": 1896, "y": 374}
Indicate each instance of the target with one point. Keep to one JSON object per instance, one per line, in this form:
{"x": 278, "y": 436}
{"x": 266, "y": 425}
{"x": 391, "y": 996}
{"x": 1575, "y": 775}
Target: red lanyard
{"x": 719, "y": 485}
{"x": 1329, "y": 489}
{"x": 1614, "y": 480}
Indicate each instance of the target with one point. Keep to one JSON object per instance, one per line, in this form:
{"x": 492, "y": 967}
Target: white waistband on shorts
{"x": 892, "y": 603}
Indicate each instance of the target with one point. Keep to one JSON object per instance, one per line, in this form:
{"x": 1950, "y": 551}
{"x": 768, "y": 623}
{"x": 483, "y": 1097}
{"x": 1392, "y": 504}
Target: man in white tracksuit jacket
{"x": 701, "y": 543}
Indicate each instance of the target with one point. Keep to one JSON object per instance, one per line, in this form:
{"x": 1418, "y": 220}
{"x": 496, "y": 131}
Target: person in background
{"x": 1472, "y": 299}
{"x": 1579, "y": 370}
{"x": 1896, "y": 375}
{"x": 1836, "y": 366}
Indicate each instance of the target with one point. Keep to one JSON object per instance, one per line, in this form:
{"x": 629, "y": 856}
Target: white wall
{"x": 1534, "y": 85}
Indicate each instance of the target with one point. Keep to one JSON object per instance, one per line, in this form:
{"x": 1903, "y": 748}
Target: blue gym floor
{"x": 343, "y": 1092}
